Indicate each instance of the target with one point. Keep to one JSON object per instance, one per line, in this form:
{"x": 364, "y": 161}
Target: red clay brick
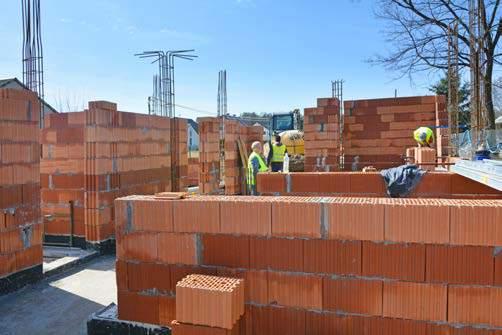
{"x": 353, "y": 296}
{"x": 334, "y": 183}
{"x": 277, "y": 320}
{"x": 178, "y": 328}
{"x": 136, "y": 307}
{"x": 416, "y": 301}
{"x": 256, "y": 283}
{"x": 367, "y": 183}
{"x": 460, "y": 264}
{"x": 399, "y": 261}
{"x": 417, "y": 220}
{"x": 167, "y": 310}
{"x": 498, "y": 269}
{"x": 178, "y": 248}
{"x": 307, "y": 290}
{"x": 276, "y": 254}
{"x": 331, "y": 323}
{"x": 225, "y": 250}
{"x": 296, "y": 218}
{"x": 332, "y": 256}
{"x": 246, "y": 217}
{"x": 148, "y": 276}
{"x": 137, "y": 246}
{"x": 356, "y": 219}
{"x": 197, "y": 216}
{"x": 152, "y": 215}
{"x": 476, "y": 223}
{"x": 271, "y": 183}
{"x": 305, "y": 182}
{"x": 178, "y": 272}
{"x": 468, "y": 304}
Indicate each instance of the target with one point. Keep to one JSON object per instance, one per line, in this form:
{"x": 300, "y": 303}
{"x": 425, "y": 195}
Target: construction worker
{"x": 278, "y": 150}
{"x": 256, "y": 164}
{"x": 424, "y": 136}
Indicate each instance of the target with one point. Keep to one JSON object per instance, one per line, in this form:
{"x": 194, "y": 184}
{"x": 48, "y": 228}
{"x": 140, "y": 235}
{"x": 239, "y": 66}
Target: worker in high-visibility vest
{"x": 424, "y": 136}
{"x": 256, "y": 164}
{"x": 278, "y": 150}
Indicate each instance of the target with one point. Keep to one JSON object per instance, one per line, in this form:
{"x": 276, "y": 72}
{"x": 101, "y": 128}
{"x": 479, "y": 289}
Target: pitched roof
{"x": 5, "y": 82}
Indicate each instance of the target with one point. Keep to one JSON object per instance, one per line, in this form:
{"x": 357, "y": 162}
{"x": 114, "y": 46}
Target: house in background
{"x": 18, "y": 85}
{"x": 193, "y": 135}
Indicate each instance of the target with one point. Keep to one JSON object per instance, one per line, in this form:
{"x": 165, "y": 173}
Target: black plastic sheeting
{"x": 402, "y": 180}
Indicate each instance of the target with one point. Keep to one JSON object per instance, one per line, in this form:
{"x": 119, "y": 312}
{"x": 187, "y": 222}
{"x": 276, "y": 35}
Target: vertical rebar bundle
{"x": 478, "y": 72}
{"x": 165, "y": 97}
{"x": 222, "y": 112}
{"x": 33, "y": 65}
{"x": 453, "y": 87}
{"x": 337, "y": 92}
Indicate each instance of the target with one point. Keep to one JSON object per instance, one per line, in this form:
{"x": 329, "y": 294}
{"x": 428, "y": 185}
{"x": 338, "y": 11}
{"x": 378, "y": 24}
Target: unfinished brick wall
{"x": 193, "y": 171}
{"x": 380, "y": 130}
{"x": 319, "y": 265}
{"x": 209, "y": 147}
{"x": 322, "y": 135}
{"x": 370, "y": 184}
{"x": 21, "y": 226}
{"x": 95, "y": 156}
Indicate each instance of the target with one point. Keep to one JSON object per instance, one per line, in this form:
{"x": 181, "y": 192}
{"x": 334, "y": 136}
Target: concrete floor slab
{"x": 60, "y": 304}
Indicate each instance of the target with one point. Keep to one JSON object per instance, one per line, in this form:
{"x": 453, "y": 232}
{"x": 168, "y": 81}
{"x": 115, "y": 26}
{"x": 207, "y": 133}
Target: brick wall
{"x": 95, "y": 156}
{"x": 319, "y": 265}
{"x": 209, "y": 146}
{"x": 380, "y": 130}
{"x": 322, "y": 135}
{"x": 370, "y": 184}
{"x": 193, "y": 171}
{"x": 21, "y": 228}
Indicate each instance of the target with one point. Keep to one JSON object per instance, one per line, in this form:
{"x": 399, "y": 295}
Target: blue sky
{"x": 279, "y": 55}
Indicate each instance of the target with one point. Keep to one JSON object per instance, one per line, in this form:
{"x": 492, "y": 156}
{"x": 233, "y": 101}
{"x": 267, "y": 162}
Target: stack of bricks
{"x": 193, "y": 171}
{"x": 322, "y": 135}
{"x": 208, "y": 305}
{"x": 370, "y": 184}
{"x": 92, "y": 157}
{"x": 426, "y": 158}
{"x": 179, "y": 156}
{"x": 21, "y": 229}
{"x": 380, "y": 130}
{"x": 232, "y": 173}
{"x": 209, "y": 155}
{"x": 319, "y": 265}
{"x": 62, "y": 176}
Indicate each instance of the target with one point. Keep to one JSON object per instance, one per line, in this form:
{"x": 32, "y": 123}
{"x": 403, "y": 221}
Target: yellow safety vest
{"x": 419, "y": 135}
{"x": 263, "y": 168}
{"x": 278, "y": 152}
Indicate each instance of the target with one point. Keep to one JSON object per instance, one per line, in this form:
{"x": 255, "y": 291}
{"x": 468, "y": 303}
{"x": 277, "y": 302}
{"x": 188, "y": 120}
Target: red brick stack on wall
{"x": 232, "y": 173}
{"x": 209, "y": 155}
{"x": 380, "y": 130}
{"x": 319, "y": 265}
{"x": 179, "y": 157}
{"x": 95, "y": 156}
{"x": 322, "y": 135}
{"x": 21, "y": 227}
{"x": 370, "y": 184}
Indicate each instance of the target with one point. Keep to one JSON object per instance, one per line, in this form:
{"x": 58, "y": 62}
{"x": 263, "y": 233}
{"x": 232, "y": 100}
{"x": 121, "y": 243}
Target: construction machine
{"x": 290, "y": 127}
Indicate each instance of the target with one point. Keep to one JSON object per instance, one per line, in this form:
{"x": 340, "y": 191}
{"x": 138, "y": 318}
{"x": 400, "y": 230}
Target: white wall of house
{"x": 193, "y": 138}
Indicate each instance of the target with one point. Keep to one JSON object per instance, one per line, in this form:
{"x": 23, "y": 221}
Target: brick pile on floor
{"x": 95, "y": 156}
{"x": 380, "y": 130}
{"x": 322, "y": 135}
{"x": 21, "y": 228}
{"x": 208, "y": 305}
{"x": 319, "y": 265}
{"x": 370, "y": 184}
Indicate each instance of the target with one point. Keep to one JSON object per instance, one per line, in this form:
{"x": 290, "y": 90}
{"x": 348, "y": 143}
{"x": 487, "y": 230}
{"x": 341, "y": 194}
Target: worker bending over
{"x": 256, "y": 164}
{"x": 424, "y": 136}
{"x": 278, "y": 151}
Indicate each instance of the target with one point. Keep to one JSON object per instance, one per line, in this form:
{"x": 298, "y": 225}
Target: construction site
{"x": 111, "y": 223}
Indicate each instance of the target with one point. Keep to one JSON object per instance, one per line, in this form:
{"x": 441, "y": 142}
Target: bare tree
{"x": 418, "y": 32}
